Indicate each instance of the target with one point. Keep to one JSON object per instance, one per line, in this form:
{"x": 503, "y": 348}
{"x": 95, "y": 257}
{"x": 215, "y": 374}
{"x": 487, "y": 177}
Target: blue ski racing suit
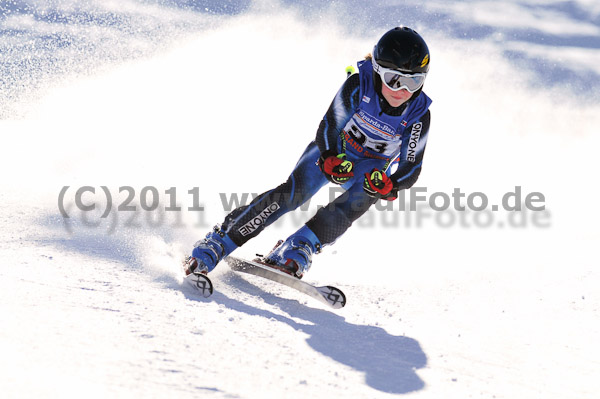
{"x": 372, "y": 134}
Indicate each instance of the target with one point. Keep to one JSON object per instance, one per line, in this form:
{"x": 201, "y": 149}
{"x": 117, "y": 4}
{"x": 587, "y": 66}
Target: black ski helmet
{"x": 402, "y": 49}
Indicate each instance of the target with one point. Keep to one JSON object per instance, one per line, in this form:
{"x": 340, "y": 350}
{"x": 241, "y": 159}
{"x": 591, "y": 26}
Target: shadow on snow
{"x": 389, "y": 362}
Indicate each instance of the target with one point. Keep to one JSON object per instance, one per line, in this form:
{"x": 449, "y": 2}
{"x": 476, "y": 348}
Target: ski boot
{"x": 208, "y": 252}
{"x": 294, "y": 255}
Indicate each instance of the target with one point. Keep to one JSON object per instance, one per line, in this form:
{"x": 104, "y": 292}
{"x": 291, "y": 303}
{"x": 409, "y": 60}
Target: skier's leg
{"x": 332, "y": 221}
{"x": 306, "y": 179}
{"x": 248, "y": 221}
{"x": 294, "y": 255}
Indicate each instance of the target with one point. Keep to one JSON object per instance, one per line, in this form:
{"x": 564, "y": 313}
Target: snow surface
{"x": 173, "y": 93}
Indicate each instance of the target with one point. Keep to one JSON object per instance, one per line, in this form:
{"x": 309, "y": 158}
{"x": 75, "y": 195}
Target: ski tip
{"x": 201, "y": 283}
{"x": 334, "y": 297}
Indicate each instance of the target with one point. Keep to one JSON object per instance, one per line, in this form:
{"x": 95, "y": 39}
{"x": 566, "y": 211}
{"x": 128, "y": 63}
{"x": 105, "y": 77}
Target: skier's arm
{"x": 411, "y": 155}
{"x": 340, "y": 111}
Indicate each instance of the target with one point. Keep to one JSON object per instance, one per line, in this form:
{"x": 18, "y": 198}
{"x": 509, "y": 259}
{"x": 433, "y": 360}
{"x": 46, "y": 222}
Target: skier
{"x": 379, "y": 119}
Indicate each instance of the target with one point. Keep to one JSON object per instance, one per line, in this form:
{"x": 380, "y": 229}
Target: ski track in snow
{"x": 132, "y": 93}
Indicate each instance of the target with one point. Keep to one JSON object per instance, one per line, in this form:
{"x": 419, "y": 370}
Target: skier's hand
{"x": 336, "y": 168}
{"x": 378, "y": 185}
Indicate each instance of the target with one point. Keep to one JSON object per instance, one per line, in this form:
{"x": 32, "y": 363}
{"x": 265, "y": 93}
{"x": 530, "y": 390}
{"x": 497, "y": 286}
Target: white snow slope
{"x": 220, "y": 99}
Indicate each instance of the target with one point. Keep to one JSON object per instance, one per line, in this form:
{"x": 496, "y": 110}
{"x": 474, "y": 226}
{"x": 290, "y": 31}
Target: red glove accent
{"x": 378, "y": 185}
{"x": 336, "y": 167}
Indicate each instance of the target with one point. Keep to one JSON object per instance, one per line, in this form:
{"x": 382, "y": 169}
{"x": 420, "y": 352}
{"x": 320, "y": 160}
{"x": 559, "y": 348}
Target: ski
{"x": 328, "y": 295}
{"x": 201, "y": 283}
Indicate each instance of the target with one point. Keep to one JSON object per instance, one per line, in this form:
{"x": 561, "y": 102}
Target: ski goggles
{"x": 396, "y": 80}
